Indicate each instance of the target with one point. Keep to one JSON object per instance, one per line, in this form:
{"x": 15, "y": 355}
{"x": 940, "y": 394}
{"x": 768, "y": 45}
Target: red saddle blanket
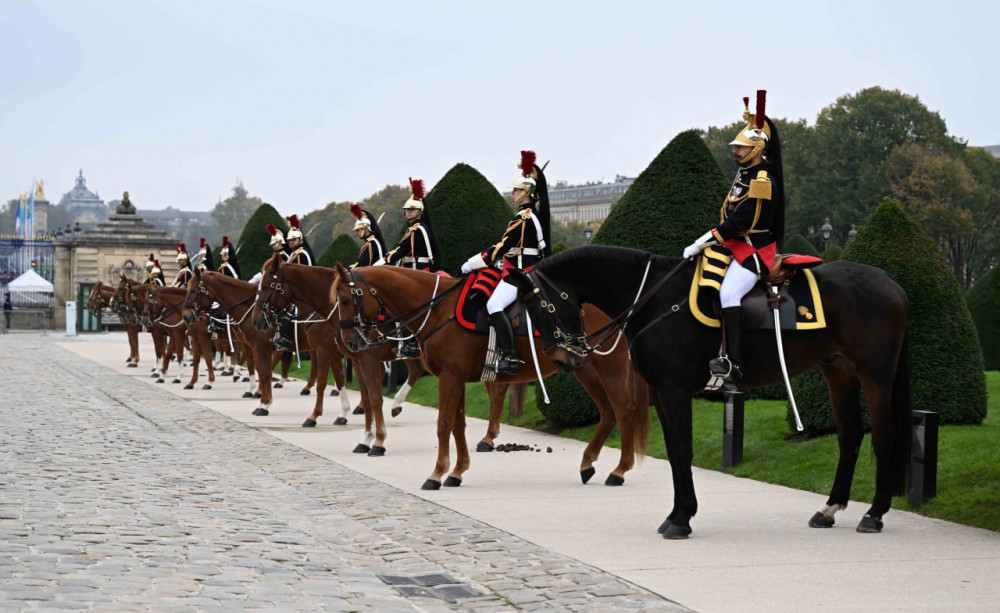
{"x": 470, "y": 311}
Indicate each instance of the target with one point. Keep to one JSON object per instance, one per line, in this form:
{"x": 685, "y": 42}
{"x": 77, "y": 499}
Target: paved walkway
{"x": 120, "y": 494}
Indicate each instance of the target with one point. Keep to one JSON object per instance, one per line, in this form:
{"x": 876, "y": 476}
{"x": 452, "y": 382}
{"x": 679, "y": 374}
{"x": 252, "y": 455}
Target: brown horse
{"x": 236, "y": 298}
{"x": 308, "y": 287}
{"x": 425, "y": 304}
{"x": 100, "y": 299}
{"x": 129, "y": 301}
{"x": 164, "y": 307}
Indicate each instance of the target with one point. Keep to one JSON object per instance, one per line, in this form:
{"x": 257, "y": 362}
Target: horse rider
{"x": 524, "y": 243}
{"x": 418, "y": 249}
{"x": 372, "y": 243}
{"x": 205, "y": 259}
{"x": 230, "y": 265}
{"x": 277, "y": 242}
{"x": 156, "y": 274}
{"x": 298, "y": 252}
{"x": 184, "y": 274}
{"x": 751, "y": 228}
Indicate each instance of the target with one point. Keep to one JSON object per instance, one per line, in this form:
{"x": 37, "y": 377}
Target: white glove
{"x": 473, "y": 263}
{"x": 696, "y": 247}
{"x": 379, "y": 262}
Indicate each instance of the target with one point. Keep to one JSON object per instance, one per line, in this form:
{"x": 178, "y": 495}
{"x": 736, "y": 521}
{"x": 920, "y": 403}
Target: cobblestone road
{"x": 118, "y": 496}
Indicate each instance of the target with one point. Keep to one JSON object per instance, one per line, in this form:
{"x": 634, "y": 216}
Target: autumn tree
{"x": 232, "y": 214}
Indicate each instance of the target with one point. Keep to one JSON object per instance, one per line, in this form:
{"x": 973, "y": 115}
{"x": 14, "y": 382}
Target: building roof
{"x": 80, "y": 196}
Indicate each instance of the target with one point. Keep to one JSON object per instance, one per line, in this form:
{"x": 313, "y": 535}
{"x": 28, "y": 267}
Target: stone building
{"x": 590, "y": 202}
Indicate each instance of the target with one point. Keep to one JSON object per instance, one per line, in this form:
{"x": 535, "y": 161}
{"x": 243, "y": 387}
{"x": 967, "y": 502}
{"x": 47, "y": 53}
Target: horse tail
{"x": 639, "y": 395}
{"x": 901, "y": 421}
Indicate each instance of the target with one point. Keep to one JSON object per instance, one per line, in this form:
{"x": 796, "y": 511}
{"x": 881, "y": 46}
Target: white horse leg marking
{"x": 369, "y": 438}
{"x": 345, "y": 404}
{"x": 400, "y": 397}
{"x": 829, "y": 510}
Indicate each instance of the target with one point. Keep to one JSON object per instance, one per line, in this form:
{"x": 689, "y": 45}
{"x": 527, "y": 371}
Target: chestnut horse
{"x": 308, "y": 287}
{"x": 425, "y": 303}
{"x": 862, "y": 347}
{"x": 236, "y": 297}
{"x": 129, "y": 301}
{"x": 100, "y": 299}
{"x": 164, "y": 308}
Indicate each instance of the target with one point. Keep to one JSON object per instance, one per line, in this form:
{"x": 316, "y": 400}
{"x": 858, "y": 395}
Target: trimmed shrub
{"x": 570, "y": 404}
{"x": 983, "y": 299}
{"x": 800, "y": 245}
{"x": 946, "y": 364}
{"x": 833, "y": 253}
{"x": 671, "y": 203}
{"x": 343, "y": 249}
{"x": 254, "y": 246}
{"x": 560, "y": 246}
{"x": 468, "y": 214}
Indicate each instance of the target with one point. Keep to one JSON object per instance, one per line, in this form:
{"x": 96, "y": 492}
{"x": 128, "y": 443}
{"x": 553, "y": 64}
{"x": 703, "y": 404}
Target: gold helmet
{"x": 757, "y": 132}
{"x": 276, "y": 235}
{"x": 182, "y": 252}
{"x": 151, "y": 261}
{"x": 526, "y": 180}
{"x": 416, "y": 200}
{"x": 155, "y": 270}
{"x": 294, "y": 231}
{"x": 224, "y": 251}
{"x": 363, "y": 221}
{"x": 203, "y": 249}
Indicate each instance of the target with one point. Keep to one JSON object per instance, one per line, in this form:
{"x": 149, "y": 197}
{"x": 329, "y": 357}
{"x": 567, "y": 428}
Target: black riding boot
{"x": 282, "y": 337}
{"x": 728, "y": 364}
{"x": 508, "y": 364}
{"x": 409, "y": 348}
{"x": 214, "y": 315}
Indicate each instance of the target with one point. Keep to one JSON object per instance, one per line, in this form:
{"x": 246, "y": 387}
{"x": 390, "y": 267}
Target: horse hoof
{"x": 207, "y": 386}
{"x": 673, "y": 532}
{"x": 376, "y": 452}
{"x": 396, "y": 411}
{"x": 153, "y": 375}
{"x": 261, "y": 412}
{"x": 236, "y": 379}
{"x": 362, "y": 448}
{"x": 818, "y": 520}
{"x": 247, "y": 395}
{"x": 870, "y": 525}
{"x": 309, "y": 423}
{"x": 614, "y": 479}
{"x": 133, "y": 365}
{"x": 176, "y": 381}
{"x": 159, "y": 380}
{"x": 189, "y": 387}
{"x": 246, "y": 379}
{"x": 359, "y": 410}
{"x": 586, "y": 474}
{"x": 452, "y": 481}
{"x": 340, "y": 421}
{"x": 305, "y": 392}
{"x": 278, "y": 385}
{"x": 255, "y": 395}
{"x": 483, "y": 447}
{"x": 334, "y": 392}
{"x": 431, "y": 484}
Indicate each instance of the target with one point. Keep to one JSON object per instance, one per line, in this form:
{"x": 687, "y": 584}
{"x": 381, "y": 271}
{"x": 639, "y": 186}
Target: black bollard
{"x": 923, "y": 457}
{"x": 732, "y": 428}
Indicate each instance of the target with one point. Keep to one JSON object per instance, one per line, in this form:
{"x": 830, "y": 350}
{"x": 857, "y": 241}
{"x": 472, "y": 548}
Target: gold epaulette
{"x": 761, "y": 186}
{"x": 525, "y": 214}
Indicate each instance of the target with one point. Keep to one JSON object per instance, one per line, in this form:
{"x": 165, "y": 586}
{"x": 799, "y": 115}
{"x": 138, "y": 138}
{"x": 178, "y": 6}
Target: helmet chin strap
{"x": 758, "y": 149}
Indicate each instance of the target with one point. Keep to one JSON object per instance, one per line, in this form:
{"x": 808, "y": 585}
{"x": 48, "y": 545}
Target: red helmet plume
{"x": 225, "y": 241}
{"x": 759, "y": 116}
{"x": 293, "y": 220}
{"x": 356, "y": 211}
{"x": 417, "y": 188}
{"x": 527, "y": 164}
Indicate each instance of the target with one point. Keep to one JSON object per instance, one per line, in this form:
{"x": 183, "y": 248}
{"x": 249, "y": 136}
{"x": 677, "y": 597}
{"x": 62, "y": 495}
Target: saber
{"x": 781, "y": 360}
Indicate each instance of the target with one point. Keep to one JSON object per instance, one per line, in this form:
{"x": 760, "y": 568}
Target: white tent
{"x": 31, "y": 290}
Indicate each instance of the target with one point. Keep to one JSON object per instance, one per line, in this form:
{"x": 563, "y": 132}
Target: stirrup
{"x": 281, "y": 342}
{"x": 725, "y": 368}
{"x": 408, "y": 350}
{"x": 507, "y": 365}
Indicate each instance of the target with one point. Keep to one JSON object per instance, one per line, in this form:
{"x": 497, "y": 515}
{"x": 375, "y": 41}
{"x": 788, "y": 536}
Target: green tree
{"x": 937, "y": 190}
{"x": 468, "y": 213}
{"x": 833, "y": 253}
{"x": 983, "y": 248}
{"x": 254, "y": 244}
{"x": 570, "y": 404}
{"x": 343, "y": 249}
{"x": 672, "y": 202}
{"x": 983, "y": 299}
{"x": 232, "y": 214}
{"x": 946, "y": 364}
{"x": 800, "y": 245}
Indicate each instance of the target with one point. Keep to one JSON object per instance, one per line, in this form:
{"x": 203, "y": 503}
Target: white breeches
{"x": 502, "y": 297}
{"x": 737, "y": 282}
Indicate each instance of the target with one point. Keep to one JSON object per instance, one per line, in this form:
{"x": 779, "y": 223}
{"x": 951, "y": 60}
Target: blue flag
{"x": 29, "y": 219}
{"x": 17, "y": 219}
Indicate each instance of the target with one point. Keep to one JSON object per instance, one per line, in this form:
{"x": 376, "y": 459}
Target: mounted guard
{"x": 156, "y": 274}
{"x": 524, "y": 243}
{"x": 230, "y": 265}
{"x": 184, "y": 274}
{"x": 299, "y": 250}
{"x": 751, "y": 229}
{"x": 372, "y": 245}
{"x": 205, "y": 258}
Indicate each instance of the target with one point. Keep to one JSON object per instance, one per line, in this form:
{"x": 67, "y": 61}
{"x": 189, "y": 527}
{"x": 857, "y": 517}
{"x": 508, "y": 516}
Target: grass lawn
{"x": 968, "y": 488}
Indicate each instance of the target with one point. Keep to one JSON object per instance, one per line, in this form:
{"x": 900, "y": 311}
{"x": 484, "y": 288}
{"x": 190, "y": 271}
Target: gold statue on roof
{"x": 39, "y": 190}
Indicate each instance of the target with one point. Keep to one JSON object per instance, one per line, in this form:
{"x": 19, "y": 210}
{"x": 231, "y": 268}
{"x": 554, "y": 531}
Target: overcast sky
{"x": 320, "y": 101}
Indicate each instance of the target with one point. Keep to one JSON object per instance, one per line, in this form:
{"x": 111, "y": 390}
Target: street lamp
{"x": 852, "y": 233}
{"x": 77, "y": 229}
{"x": 826, "y": 231}
{"x": 588, "y": 232}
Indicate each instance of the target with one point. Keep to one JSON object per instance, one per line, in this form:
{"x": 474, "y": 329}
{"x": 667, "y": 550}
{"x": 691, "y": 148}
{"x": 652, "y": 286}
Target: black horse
{"x": 863, "y": 347}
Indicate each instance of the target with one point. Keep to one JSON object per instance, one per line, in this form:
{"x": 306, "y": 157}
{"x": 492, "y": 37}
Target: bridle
{"x": 271, "y": 311}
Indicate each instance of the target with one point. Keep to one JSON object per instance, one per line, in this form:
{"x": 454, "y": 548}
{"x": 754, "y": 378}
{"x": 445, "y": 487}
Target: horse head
{"x": 197, "y": 300}
{"x": 355, "y": 311}
{"x": 559, "y": 320}
{"x": 273, "y": 302}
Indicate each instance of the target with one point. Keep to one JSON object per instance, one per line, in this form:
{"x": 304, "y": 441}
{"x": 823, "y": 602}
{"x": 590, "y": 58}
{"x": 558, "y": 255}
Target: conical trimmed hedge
{"x": 983, "y": 299}
{"x": 343, "y": 249}
{"x": 946, "y": 364}
{"x": 254, "y": 246}
{"x": 800, "y": 245}
{"x": 570, "y": 403}
{"x": 468, "y": 214}
{"x": 671, "y": 203}
{"x": 833, "y": 253}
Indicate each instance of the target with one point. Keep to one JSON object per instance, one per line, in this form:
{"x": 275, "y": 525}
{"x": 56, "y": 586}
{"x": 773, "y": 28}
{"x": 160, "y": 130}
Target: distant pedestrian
{"x": 7, "y": 309}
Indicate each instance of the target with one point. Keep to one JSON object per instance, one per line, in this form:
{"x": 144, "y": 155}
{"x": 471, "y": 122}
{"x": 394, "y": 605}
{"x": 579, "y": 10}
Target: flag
{"x": 29, "y": 219}
{"x": 17, "y": 218}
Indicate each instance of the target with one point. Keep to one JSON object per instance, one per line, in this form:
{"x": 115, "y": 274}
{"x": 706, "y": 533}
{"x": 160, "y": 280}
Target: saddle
{"x": 801, "y": 306}
{"x": 470, "y": 311}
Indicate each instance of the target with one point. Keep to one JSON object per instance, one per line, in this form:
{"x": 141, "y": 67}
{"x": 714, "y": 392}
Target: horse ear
{"x": 341, "y": 271}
